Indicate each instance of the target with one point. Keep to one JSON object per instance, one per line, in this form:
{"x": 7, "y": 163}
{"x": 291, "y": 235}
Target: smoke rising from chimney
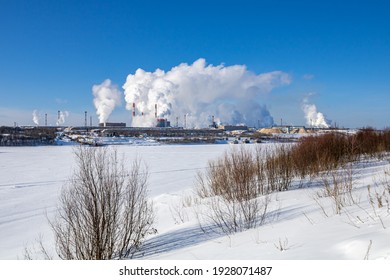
{"x": 198, "y": 90}
{"x": 35, "y": 116}
{"x": 106, "y": 97}
{"x": 313, "y": 117}
{"x": 62, "y": 116}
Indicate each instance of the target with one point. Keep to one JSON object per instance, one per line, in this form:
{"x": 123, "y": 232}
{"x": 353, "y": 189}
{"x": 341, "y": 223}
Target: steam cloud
{"x": 35, "y": 116}
{"x": 107, "y": 97}
{"x": 313, "y": 117}
{"x": 230, "y": 93}
{"x": 61, "y": 119}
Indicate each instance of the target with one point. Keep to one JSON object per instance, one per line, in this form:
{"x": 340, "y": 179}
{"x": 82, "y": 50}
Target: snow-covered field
{"x": 302, "y": 225}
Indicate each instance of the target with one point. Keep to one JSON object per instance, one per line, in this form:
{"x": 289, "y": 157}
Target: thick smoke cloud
{"x": 107, "y": 97}
{"x": 313, "y": 117}
{"x": 230, "y": 93}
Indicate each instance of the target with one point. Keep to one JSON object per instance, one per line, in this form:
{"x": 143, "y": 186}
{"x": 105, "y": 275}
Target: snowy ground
{"x": 299, "y": 227}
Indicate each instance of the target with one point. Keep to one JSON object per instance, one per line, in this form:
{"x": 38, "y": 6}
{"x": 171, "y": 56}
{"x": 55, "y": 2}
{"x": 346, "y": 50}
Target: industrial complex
{"x": 161, "y": 132}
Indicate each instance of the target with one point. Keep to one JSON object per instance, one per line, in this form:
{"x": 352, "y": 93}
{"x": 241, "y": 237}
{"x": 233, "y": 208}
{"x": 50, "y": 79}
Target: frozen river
{"x": 31, "y": 179}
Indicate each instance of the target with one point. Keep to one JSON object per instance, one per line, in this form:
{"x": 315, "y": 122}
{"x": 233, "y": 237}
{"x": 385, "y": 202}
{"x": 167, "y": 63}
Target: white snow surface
{"x": 298, "y": 228}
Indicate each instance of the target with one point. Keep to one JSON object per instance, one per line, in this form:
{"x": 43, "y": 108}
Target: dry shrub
{"x": 314, "y": 154}
{"x": 338, "y": 186}
{"x": 330, "y": 156}
{"x": 380, "y": 196}
{"x": 227, "y": 217}
{"x": 179, "y": 208}
{"x": 386, "y": 139}
{"x": 232, "y": 188}
{"x": 104, "y": 213}
{"x": 279, "y": 168}
{"x": 232, "y": 176}
{"x": 233, "y": 183}
{"x": 372, "y": 142}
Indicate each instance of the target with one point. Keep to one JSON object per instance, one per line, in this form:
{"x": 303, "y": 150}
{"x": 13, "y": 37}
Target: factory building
{"x": 112, "y": 124}
{"x": 163, "y": 123}
{"x": 233, "y": 127}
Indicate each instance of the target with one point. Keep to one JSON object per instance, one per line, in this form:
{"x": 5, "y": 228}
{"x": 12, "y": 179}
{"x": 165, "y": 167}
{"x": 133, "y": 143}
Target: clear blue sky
{"x": 52, "y": 52}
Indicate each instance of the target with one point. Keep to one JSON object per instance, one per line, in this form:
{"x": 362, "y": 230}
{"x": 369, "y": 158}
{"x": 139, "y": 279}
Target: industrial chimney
{"x": 133, "y": 110}
{"x": 155, "y": 110}
{"x": 213, "y": 124}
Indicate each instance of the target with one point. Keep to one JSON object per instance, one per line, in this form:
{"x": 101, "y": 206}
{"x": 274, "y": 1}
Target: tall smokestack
{"x": 58, "y": 116}
{"x": 133, "y": 110}
{"x": 46, "y": 119}
{"x": 155, "y": 110}
{"x": 185, "y": 120}
{"x": 85, "y": 119}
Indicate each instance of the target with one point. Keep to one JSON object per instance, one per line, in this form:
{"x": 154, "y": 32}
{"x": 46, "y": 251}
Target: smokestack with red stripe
{"x": 133, "y": 110}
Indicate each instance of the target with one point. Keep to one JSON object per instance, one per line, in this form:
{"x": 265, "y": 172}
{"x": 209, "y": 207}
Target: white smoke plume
{"x": 107, "y": 97}
{"x": 35, "y": 117}
{"x": 63, "y": 115}
{"x": 313, "y": 117}
{"x": 230, "y": 93}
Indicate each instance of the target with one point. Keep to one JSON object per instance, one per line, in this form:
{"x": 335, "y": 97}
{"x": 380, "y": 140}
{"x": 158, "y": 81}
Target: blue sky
{"x": 53, "y": 52}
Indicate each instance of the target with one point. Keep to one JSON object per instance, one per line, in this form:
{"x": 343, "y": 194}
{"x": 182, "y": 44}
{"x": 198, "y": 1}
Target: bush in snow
{"x": 104, "y": 213}
{"x": 231, "y": 188}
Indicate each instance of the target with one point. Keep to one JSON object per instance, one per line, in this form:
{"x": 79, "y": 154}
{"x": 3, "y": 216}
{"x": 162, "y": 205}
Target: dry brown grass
{"x": 234, "y": 182}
